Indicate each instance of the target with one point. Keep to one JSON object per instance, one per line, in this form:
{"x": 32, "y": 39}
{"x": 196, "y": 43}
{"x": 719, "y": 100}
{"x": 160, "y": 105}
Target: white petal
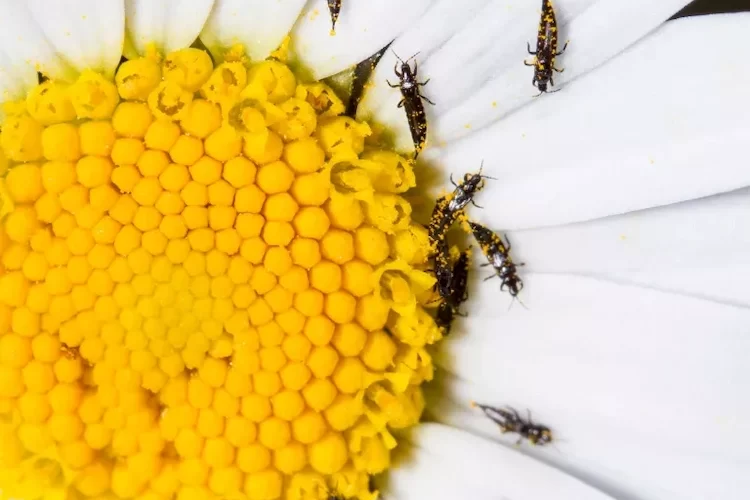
{"x": 24, "y": 50}
{"x": 259, "y": 25}
{"x": 15, "y": 77}
{"x": 363, "y": 28}
{"x": 623, "y": 137}
{"x": 596, "y": 34}
{"x": 493, "y": 42}
{"x": 88, "y": 34}
{"x": 694, "y": 248}
{"x": 645, "y": 390}
{"x": 168, "y": 24}
{"x": 438, "y": 24}
{"x": 484, "y": 58}
{"x": 474, "y": 42}
{"x": 446, "y": 463}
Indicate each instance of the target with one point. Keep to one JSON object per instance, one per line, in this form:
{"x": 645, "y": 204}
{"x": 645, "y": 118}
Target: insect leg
{"x": 563, "y": 49}
{"x": 527, "y": 63}
{"x": 528, "y": 48}
{"x": 507, "y": 242}
{"x": 401, "y": 103}
{"x": 558, "y": 70}
{"x": 392, "y": 85}
{"x": 515, "y": 413}
{"x": 425, "y": 98}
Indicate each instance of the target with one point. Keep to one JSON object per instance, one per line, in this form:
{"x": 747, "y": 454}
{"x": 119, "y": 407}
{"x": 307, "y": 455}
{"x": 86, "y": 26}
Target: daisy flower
{"x": 215, "y": 284}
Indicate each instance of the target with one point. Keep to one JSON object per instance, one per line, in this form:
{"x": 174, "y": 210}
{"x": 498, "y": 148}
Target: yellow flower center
{"x": 210, "y": 287}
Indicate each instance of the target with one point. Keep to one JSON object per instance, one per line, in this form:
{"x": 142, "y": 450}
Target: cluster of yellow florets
{"x": 209, "y": 288}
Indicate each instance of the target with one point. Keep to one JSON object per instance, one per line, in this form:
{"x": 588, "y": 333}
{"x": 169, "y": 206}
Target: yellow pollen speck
{"x": 209, "y": 283}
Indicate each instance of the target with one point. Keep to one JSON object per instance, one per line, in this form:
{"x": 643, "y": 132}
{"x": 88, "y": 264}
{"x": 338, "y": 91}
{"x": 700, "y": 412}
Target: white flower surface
{"x": 623, "y": 193}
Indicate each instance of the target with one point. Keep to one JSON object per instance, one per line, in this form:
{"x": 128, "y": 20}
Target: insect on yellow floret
{"x": 209, "y": 285}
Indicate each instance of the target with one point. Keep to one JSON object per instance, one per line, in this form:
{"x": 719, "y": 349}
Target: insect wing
{"x": 482, "y": 235}
{"x": 546, "y": 42}
{"x": 416, "y": 117}
{"x": 440, "y": 221}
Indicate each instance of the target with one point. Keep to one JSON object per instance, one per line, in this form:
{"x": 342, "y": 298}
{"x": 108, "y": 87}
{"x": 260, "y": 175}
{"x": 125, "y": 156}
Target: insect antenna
{"x": 481, "y": 167}
{"x": 401, "y": 60}
{"x": 412, "y": 57}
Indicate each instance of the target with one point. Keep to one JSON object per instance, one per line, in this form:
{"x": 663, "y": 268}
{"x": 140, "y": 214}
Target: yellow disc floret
{"x": 210, "y": 287}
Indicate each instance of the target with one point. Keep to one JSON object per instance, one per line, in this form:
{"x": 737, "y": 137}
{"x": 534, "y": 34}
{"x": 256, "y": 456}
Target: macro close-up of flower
{"x": 351, "y": 249}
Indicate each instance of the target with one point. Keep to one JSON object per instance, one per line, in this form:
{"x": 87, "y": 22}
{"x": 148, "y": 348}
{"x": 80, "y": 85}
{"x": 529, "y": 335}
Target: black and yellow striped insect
{"x": 509, "y": 420}
{"x": 546, "y": 50}
{"x": 449, "y": 207}
{"x": 334, "y": 8}
{"x": 455, "y": 293}
{"x": 411, "y": 101}
{"x": 498, "y": 256}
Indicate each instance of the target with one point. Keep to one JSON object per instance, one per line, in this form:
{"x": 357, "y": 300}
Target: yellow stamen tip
{"x": 211, "y": 286}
